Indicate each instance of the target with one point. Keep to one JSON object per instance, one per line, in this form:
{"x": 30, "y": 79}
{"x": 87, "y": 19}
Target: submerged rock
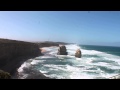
{"x": 4, "y": 75}
{"x": 78, "y": 53}
{"x": 62, "y": 50}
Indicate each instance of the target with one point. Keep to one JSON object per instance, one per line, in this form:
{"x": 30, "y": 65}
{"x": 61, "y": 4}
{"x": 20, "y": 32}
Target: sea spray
{"x": 93, "y": 64}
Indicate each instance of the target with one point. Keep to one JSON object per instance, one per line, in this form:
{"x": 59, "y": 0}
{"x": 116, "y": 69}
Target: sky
{"x": 83, "y": 27}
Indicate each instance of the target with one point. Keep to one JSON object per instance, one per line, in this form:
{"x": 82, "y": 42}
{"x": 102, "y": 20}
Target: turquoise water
{"x": 97, "y": 62}
{"x": 107, "y": 49}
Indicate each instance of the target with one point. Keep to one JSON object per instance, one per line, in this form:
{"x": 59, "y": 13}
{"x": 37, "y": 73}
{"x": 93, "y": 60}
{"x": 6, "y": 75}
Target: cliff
{"x": 13, "y": 53}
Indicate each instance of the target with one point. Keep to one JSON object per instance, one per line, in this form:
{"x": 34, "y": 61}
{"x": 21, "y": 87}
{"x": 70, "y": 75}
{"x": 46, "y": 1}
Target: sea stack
{"x": 78, "y": 53}
{"x": 62, "y": 50}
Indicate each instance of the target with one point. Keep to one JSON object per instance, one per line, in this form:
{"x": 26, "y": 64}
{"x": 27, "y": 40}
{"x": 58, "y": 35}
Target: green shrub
{"x": 4, "y": 75}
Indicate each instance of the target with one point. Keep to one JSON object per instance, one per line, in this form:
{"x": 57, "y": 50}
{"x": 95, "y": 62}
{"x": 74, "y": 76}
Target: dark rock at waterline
{"x": 4, "y": 75}
{"x": 62, "y": 50}
{"x": 78, "y": 53}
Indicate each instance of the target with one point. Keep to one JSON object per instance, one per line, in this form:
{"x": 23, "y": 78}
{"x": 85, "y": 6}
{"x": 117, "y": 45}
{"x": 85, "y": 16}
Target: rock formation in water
{"x": 62, "y": 50}
{"x": 78, "y": 53}
{"x": 4, "y": 75}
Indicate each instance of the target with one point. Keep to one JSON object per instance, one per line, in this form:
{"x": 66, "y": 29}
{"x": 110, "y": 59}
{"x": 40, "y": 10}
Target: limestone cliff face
{"x": 13, "y": 53}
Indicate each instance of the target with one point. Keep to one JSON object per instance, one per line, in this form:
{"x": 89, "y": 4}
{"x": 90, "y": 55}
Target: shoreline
{"x": 35, "y": 74}
{"x": 14, "y": 53}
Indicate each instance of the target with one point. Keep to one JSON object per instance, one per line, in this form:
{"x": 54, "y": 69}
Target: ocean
{"x": 97, "y": 62}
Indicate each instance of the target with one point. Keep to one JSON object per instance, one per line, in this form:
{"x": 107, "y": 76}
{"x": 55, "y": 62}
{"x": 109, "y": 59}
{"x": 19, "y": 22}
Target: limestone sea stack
{"x": 62, "y": 50}
{"x": 78, "y": 53}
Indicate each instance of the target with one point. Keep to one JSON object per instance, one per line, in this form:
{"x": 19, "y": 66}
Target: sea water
{"x": 97, "y": 62}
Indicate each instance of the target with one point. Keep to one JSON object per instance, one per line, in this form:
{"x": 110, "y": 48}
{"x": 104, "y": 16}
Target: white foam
{"x": 45, "y": 57}
{"x": 25, "y": 64}
{"x": 43, "y": 71}
{"x": 72, "y": 47}
{"x": 58, "y": 67}
{"x": 71, "y": 69}
{"x": 80, "y": 76}
{"x": 91, "y": 52}
{"x": 34, "y": 62}
{"x": 107, "y": 75}
{"x": 55, "y": 76}
{"x": 80, "y": 66}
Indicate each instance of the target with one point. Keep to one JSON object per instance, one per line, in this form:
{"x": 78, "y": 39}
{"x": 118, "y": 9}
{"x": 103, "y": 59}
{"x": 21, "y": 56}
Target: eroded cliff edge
{"x": 13, "y": 53}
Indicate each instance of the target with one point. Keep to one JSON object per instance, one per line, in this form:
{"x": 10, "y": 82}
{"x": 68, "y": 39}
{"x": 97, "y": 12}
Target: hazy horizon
{"x": 83, "y": 27}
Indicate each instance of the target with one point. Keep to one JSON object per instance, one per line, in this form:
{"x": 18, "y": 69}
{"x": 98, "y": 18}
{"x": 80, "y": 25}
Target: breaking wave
{"x": 93, "y": 64}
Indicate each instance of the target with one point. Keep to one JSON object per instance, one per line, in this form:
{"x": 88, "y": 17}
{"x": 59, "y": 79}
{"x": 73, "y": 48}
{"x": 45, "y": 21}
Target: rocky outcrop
{"x": 13, "y": 53}
{"x": 4, "y": 75}
{"x": 62, "y": 50}
{"x": 78, "y": 53}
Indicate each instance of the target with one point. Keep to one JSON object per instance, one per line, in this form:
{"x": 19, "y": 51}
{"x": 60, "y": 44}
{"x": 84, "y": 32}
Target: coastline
{"x": 14, "y": 53}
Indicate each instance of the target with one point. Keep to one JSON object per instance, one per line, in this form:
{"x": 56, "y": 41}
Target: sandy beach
{"x": 42, "y": 50}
